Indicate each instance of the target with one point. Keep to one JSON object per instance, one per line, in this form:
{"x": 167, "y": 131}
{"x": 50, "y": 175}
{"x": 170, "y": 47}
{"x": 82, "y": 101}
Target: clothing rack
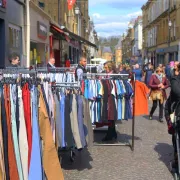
{"x": 131, "y": 145}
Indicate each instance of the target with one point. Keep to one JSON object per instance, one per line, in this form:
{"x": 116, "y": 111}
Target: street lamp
{"x": 77, "y": 11}
{"x": 170, "y": 23}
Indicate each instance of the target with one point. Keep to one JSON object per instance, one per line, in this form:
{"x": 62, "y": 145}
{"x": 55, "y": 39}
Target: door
{"x": 57, "y": 58}
{"x": 2, "y": 43}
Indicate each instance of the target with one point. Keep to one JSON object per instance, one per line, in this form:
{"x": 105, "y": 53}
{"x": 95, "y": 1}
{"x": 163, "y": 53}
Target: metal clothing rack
{"x": 107, "y": 76}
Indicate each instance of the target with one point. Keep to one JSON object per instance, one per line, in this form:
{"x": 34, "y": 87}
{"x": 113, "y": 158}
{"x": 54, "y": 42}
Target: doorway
{"x": 2, "y": 43}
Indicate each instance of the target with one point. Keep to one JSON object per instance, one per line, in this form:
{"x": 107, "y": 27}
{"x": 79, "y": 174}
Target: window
{"x": 174, "y": 28}
{"x": 14, "y": 37}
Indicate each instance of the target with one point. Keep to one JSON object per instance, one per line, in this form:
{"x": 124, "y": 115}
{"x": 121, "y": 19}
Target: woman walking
{"x": 158, "y": 83}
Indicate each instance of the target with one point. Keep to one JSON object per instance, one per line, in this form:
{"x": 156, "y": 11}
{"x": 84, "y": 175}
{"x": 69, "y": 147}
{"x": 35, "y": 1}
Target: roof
{"x": 107, "y": 49}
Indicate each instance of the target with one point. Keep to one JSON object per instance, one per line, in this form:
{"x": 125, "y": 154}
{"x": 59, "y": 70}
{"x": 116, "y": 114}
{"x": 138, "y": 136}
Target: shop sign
{"x": 3, "y": 3}
{"x": 42, "y": 30}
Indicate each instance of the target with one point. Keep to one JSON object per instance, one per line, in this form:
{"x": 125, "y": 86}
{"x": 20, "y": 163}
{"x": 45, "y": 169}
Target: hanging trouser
{"x": 27, "y": 109}
{"x": 35, "y": 170}
{"x": 14, "y": 131}
{"x": 23, "y": 142}
{"x": 13, "y": 171}
{"x": 51, "y": 162}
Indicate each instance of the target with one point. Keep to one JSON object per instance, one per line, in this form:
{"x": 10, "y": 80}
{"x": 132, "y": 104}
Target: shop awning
{"x": 60, "y": 32}
{"x": 79, "y": 38}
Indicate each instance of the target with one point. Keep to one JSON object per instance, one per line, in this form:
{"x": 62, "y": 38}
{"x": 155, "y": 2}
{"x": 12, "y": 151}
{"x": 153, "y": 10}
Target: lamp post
{"x": 169, "y": 27}
{"x": 77, "y": 12}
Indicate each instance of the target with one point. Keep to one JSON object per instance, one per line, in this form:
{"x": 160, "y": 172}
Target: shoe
{"x": 150, "y": 117}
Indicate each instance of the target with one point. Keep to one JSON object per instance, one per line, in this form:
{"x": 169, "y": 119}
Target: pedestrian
{"x": 14, "y": 60}
{"x": 51, "y": 63}
{"x": 138, "y": 72}
{"x": 170, "y": 105}
{"x": 174, "y": 70}
{"x": 111, "y": 134}
{"x": 81, "y": 68}
{"x": 158, "y": 83}
{"x": 148, "y": 73}
{"x": 168, "y": 71}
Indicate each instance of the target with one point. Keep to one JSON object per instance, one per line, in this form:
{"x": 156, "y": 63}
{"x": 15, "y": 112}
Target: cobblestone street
{"x": 149, "y": 161}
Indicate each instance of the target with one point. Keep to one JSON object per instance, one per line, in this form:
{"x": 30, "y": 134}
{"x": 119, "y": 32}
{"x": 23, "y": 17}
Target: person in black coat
{"x": 171, "y": 103}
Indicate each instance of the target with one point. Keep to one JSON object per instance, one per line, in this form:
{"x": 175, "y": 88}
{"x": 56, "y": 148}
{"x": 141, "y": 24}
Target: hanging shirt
{"x": 141, "y": 100}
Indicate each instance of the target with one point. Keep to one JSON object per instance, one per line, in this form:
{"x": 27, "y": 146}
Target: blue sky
{"x": 111, "y": 17}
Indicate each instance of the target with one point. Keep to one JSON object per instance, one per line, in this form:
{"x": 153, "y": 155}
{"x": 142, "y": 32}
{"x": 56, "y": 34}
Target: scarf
{"x": 160, "y": 77}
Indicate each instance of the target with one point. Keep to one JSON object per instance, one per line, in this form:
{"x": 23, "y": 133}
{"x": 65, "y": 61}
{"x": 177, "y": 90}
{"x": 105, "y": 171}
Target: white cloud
{"x": 134, "y": 14}
{"x": 96, "y": 15}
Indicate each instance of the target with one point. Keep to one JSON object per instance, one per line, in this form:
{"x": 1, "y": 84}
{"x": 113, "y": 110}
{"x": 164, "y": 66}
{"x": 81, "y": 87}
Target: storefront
{"x": 39, "y": 36}
{"x": 2, "y": 33}
{"x": 74, "y": 51}
{"x": 165, "y": 55}
{"x": 59, "y": 45}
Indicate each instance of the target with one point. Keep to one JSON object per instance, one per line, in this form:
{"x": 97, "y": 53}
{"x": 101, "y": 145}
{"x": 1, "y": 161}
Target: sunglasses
{"x": 159, "y": 71}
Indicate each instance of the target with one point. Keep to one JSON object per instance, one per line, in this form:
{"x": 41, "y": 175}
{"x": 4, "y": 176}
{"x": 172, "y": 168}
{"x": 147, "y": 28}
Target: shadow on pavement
{"x": 165, "y": 152}
{"x": 122, "y": 138}
{"x": 81, "y": 161}
{"x": 154, "y": 118}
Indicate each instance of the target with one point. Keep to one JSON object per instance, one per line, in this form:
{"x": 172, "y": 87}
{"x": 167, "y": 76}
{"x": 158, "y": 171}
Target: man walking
{"x": 81, "y": 68}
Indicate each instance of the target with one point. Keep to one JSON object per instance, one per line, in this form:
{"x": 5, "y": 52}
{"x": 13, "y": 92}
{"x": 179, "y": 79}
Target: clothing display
{"x": 27, "y": 148}
{"x": 109, "y": 99}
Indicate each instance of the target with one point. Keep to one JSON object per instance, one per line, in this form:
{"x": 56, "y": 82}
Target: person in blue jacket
{"x": 138, "y": 72}
{"x": 148, "y": 73}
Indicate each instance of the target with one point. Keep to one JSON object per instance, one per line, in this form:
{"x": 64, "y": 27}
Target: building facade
{"x": 161, "y": 31}
{"x": 127, "y": 44}
{"x": 118, "y": 52}
{"x": 137, "y": 45}
{"x": 11, "y": 30}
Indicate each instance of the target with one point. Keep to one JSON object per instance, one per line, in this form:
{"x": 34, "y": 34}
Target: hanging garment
{"x": 141, "y": 93}
{"x": 74, "y": 121}
{"x": 58, "y": 120}
{"x": 104, "y": 115}
{"x": 80, "y": 120}
{"x": 51, "y": 111}
{"x": 23, "y": 142}
{"x": 35, "y": 169}
{"x": 62, "y": 110}
{"x": 2, "y": 165}
{"x": 27, "y": 115}
{"x": 51, "y": 163}
{"x": 17, "y": 112}
{"x": 67, "y": 127}
{"x": 87, "y": 123}
{"x": 111, "y": 103}
{"x": 13, "y": 171}
{"x": 14, "y": 130}
{"x": 5, "y": 135}
{"x": 128, "y": 95}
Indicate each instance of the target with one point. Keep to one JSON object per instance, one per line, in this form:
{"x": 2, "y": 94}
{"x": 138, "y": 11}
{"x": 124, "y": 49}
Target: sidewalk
{"x": 149, "y": 161}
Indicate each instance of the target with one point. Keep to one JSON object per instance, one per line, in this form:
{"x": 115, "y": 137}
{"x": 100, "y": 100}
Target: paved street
{"x": 149, "y": 161}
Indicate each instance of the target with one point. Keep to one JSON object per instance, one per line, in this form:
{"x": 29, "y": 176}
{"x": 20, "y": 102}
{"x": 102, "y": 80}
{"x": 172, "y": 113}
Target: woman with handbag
{"x": 158, "y": 83}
